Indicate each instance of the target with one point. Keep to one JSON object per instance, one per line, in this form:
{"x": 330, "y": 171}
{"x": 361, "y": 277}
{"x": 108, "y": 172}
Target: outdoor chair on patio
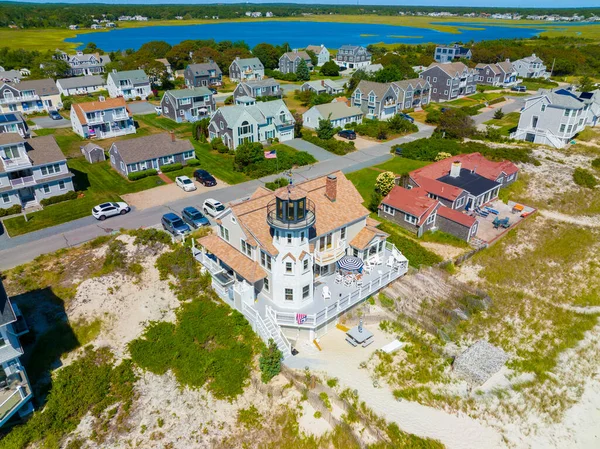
{"x": 326, "y": 293}
{"x": 359, "y": 282}
{"x": 348, "y": 280}
{"x": 390, "y": 262}
{"x": 339, "y": 278}
{"x": 367, "y": 268}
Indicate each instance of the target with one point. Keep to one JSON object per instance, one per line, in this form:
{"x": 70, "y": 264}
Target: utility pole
{"x": 552, "y": 69}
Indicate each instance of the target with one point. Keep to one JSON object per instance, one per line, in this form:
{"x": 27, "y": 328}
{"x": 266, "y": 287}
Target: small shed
{"x": 480, "y": 362}
{"x": 93, "y": 153}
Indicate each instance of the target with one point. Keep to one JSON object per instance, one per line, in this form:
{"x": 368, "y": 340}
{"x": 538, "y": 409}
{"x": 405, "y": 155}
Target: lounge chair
{"x": 352, "y": 342}
{"x": 390, "y": 262}
{"x": 339, "y": 278}
{"x": 326, "y": 293}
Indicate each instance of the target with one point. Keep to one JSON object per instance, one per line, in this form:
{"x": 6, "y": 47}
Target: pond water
{"x": 297, "y": 34}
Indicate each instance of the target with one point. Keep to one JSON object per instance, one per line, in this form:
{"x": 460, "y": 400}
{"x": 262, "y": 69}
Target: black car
{"x": 205, "y": 178}
{"x": 407, "y": 117}
{"x": 54, "y": 115}
{"x": 213, "y": 90}
{"x": 347, "y": 134}
{"x": 519, "y": 88}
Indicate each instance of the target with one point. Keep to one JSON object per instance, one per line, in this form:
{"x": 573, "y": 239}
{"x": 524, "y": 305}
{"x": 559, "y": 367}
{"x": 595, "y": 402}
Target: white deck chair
{"x": 390, "y": 262}
{"x": 326, "y": 293}
{"x": 339, "y": 278}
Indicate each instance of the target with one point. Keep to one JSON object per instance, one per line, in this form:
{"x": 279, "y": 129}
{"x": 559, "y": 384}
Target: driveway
{"x": 141, "y": 108}
{"x": 360, "y": 142}
{"x": 47, "y": 122}
{"x": 511, "y": 104}
{"x": 317, "y": 152}
{"x": 286, "y": 88}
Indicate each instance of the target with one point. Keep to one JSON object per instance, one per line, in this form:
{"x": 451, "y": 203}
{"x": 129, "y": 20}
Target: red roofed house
{"x": 439, "y": 195}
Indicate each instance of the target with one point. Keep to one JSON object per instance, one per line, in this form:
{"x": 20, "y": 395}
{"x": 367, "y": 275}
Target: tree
{"x": 158, "y": 49}
{"x": 52, "y": 68}
{"x": 298, "y": 122}
{"x": 385, "y": 182}
{"x": 457, "y": 124}
{"x": 270, "y": 362}
{"x": 201, "y": 129}
{"x": 313, "y": 57}
{"x": 325, "y": 131}
{"x": 388, "y": 74}
{"x": 374, "y": 201}
{"x": 302, "y": 72}
{"x": 267, "y": 54}
{"x": 442, "y": 155}
{"x": 498, "y": 114}
{"x": 586, "y": 84}
{"x": 247, "y": 154}
{"x": 91, "y": 48}
{"x": 330, "y": 68}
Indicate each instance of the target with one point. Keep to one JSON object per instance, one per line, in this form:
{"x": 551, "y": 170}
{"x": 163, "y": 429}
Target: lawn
{"x": 364, "y": 180}
{"x": 506, "y": 123}
{"x": 98, "y": 183}
{"x": 535, "y": 84}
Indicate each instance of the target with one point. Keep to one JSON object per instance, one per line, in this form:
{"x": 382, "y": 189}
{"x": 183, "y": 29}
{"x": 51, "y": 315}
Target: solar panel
{"x": 586, "y": 95}
{"x": 5, "y": 118}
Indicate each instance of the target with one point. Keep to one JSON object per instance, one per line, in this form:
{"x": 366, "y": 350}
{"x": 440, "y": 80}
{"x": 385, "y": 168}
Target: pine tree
{"x": 270, "y": 362}
{"x": 302, "y": 72}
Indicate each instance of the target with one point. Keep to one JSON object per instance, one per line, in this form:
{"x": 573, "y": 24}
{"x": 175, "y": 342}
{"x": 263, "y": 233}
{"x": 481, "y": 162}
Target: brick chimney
{"x": 172, "y": 133}
{"x": 323, "y": 83}
{"x": 331, "y": 188}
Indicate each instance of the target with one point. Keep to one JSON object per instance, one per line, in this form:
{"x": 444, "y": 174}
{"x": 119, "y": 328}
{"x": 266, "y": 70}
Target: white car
{"x": 212, "y": 207}
{"x": 185, "y": 183}
{"x": 105, "y": 210}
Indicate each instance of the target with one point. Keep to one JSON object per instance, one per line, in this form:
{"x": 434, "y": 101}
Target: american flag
{"x": 300, "y": 318}
{"x": 271, "y": 154}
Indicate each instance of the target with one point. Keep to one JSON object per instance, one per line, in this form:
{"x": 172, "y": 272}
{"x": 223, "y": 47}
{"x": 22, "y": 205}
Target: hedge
{"x": 59, "y": 198}
{"x": 171, "y": 167}
{"x": 142, "y": 174}
{"x": 193, "y": 162}
{"x": 584, "y": 178}
{"x": 13, "y": 210}
{"x": 331, "y": 145}
{"x": 497, "y": 100}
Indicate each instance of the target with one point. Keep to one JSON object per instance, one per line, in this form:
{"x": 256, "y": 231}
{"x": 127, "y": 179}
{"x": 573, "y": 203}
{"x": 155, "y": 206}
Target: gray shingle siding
{"x": 456, "y": 229}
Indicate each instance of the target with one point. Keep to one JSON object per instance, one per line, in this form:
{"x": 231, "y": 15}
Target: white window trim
{"x": 431, "y": 218}
{"x": 410, "y": 219}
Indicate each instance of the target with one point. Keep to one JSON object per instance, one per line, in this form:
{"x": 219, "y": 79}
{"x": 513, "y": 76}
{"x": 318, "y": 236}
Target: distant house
{"x": 268, "y": 87}
{"x": 129, "y": 84}
{"x": 321, "y": 52}
{"x": 246, "y": 69}
{"x": 95, "y": 26}
{"x": 17, "y": 392}
{"x": 371, "y": 69}
{"x": 10, "y": 76}
{"x": 203, "y": 75}
{"x": 501, "y": 74}
{"x": 188, "y": 105}
{"x": 81, "y": 85}
{"x": 73, "y": 27}
{"x": 450, "y": 81}
{"x": 29, "y": 96}
{"x": 326, "y": 86}
{"x": 252, "y": 122}
{"x": 288, "y": 62}
{"x": 451, "y": 53}
{"x": 531, "y": 67}
{"x": 553, "y": 117}
{"x": 413, "y": 93}
{"x": 353, "y": 57}
{"x": 83, "y": 64}
{"x": 154, "y": 151}
{"x": 13, "y": 122}
{"x": 167, "y": 64}
{"x": 102, "y": 119}
{"x": 376, "y": 100}
{"x": 339, "y": 114}
{"x": 31, "y": 170}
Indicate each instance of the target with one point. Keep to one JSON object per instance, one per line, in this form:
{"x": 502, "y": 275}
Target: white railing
{"x": 22, "y": 182}
{"x": 262, "y": 329}
{"x": 120, "y": 116}
{"x": 16, "y": 163}
{"x": 212, "y": 266}
{"x": 10, "y": 403}
{"x": 270, "y": 316}
{"x": 95, "y": 119}
{"x": 21, "y": 98}
{"x": 330, "y": 255}
{"x": 115, "y": 132}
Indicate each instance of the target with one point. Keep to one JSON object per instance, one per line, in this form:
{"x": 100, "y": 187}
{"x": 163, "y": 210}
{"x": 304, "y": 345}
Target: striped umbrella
{"x": 350, "y": 263}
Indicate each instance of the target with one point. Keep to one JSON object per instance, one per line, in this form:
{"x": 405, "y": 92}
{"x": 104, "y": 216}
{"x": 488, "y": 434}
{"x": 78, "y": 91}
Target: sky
{"x": 440, "y": 3}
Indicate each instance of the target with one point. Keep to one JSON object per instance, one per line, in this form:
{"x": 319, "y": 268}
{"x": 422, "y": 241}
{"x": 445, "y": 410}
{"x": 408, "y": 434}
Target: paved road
{"x": 317, "y": 152}
{"x": 47, "y": 122}
{"x": 488, "y": 113}
{"x": 21, "y": 249}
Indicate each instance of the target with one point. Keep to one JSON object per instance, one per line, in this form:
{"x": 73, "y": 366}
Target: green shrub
{"x": 412, "y": 250}
{"x": 250, "y": 159}
{"x": 142, "y": 174}
{"x": 470, "y": 110}
{"x": 498, "y": 114}
{"x": 12, "y": 210}
{"x": 433, "y": 116}
{"x": 193, "y": 162}
{"x": 59, "y": 198}
{"x": 333, "y": 145}
{"x": 150, "y": 236}
{"x": 278, "y": 183}
{"x": 171, "y": 167}
{"x": 250, "y": 418}
{"x": 584, "y": 178}
{"x": 596, "y": 163}
{"x": 67, "y": 103}
{"x": 270, "y": 362}
{"x": 497, "y": 100}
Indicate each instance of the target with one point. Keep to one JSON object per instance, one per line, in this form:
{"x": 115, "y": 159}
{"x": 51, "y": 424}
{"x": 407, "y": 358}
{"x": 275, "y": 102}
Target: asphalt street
{"x": 21, "y": 249}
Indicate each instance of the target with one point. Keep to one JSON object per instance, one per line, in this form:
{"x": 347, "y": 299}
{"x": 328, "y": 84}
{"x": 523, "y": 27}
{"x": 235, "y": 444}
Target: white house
{"x": 251, "y": 121}
{"x": 129, "y": 84}
{"x": 275, "y": 257}
{"x": 107, "y": 117}
{"x": 321, "y": 52}
{"x": 553, "y": 117}
{"x": 531, "y": 67}
{"x": 353, "y": 57}
{"x": 81, "y": 85}
{"x": 339, "y": 114}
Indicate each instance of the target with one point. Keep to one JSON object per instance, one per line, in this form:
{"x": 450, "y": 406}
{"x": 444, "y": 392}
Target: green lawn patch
{"x": 444, "y": 238}
{"x": 412, "y": 250}
{"x": 334, "y": 146}
{"x": 536, "y": 84}
{"x": 219, "y": 165}
{"x": 250, "y": 159}
{"x": 506, "y": 124}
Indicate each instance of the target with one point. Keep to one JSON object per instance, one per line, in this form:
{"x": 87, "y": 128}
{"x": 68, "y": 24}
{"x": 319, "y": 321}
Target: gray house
{"x": 288, "y": 62}
{"x": 129, "y": 84}
{"x": 93, "y": 153}
{"x": 29, "y": 96}
{"x": 531, "y": 67}
{"x": 31, "y": 170}
{"x": 16, "y": 393}
{"x": 353, "y": 57}
{"x": 413, "y": 93}
{"x": 326, "y": 86}
{"x": 81, "y": 85}
{"x": 451, "y": 53}
{"x": 376, "y": 100}
{"x": 144, "y": 153}
{"x": 188, "y": 105}
{"x": 203, "y": 75}
{"x": 84, "y": 64}
{"x": 501, "y": 74}
{"x": 246, "y": 69}
{"x": 450, "y": 80}
{"x": 268, "y": 87}
{"x": 13, "y": 122}
{"x": 339, "y": 114}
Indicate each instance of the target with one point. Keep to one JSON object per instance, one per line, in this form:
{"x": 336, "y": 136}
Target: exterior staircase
{"x": 267, "y": 328}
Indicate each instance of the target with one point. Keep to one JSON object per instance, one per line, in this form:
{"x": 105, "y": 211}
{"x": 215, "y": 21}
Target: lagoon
{"x": 298, "y": 34}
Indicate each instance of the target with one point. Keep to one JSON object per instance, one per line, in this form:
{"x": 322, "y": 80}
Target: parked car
{"x": 194, "y": 217}
{"x": 54, "y": 115}
{"x": 398, "y": 150}
{"x": 212, "y": 207}
{"x": 173, "y": 224}
{"x": 519, "y": 89}
{"x": 407, "y": 117}
{"x": 185, "y": 183}
{"x": 213, "y": 90}
{"x": 205, "y": 178}
{"x": 103, "y": 211}
{"x": 347, "y": 134}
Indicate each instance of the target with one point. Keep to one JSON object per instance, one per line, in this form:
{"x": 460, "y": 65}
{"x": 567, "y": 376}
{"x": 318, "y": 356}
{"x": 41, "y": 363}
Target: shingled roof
{"x": 151, "y": 147}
